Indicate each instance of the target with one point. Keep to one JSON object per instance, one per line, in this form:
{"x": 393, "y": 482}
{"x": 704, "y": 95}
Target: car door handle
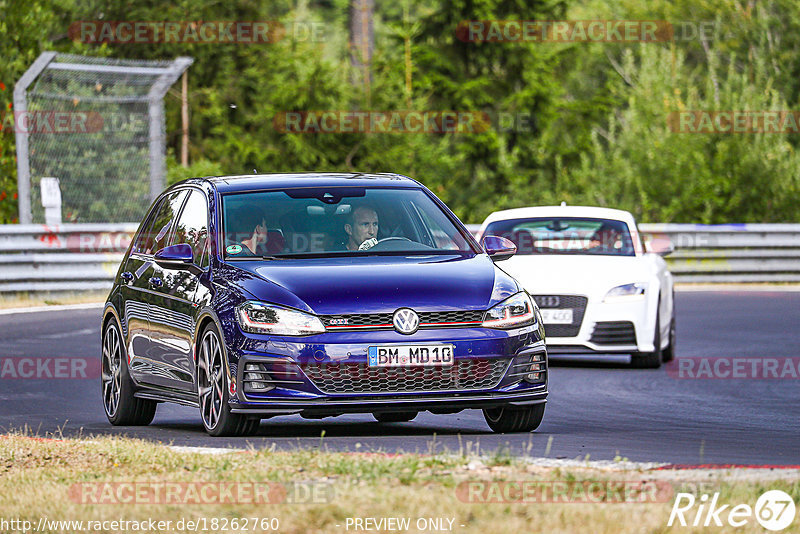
{"x": 127, "y": 276}
{"x": 156, "y": 282}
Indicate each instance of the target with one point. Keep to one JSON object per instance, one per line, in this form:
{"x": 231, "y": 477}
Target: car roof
{"x": 561, "y": 211}
{"x": 226, "y": 184}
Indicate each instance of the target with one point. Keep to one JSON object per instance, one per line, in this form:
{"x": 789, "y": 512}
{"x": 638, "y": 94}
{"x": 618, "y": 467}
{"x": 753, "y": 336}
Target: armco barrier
{"x": 728, "y": 253}
{"x": 77, "y": 257}
{"x": 731, "y": 252}
{"x": 68, "y": 257}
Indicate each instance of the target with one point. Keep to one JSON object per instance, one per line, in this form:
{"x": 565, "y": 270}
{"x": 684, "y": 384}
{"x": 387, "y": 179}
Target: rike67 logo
{"x": 774, "y": 510}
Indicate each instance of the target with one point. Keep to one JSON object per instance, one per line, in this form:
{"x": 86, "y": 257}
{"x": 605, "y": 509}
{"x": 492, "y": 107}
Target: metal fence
{"x": 79, "y": 257}
{"x": 96, "y": 125}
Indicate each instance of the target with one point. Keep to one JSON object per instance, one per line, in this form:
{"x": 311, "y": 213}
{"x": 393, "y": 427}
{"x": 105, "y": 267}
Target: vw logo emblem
{"x": 405, "y": 320}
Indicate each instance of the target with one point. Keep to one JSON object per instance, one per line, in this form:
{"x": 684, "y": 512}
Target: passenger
{"x": 253, "y": 232}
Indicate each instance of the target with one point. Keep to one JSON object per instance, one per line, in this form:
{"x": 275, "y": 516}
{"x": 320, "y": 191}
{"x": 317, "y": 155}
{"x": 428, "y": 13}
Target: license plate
{"x": 411, "y": 355}
{"x": 556, "y": 316}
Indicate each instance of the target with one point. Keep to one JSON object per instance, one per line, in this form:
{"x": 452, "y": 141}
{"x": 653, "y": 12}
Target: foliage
{"x": 598, "y": 132}
{"x": 201, "y": 167}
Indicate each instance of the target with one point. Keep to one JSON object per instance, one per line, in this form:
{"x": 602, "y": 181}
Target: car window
{"x": 340, "y": 220}
{"x": 157, "y": 235}
{"x": 192, "y": 227}
{"x": 566, "y": 235}
{"x": 140, "y": 242}
{"x": 435, "y": 224}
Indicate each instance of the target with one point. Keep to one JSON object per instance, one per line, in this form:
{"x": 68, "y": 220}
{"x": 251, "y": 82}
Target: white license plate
{"x": 410, "y": 355}
{"x": 556, "y": 316}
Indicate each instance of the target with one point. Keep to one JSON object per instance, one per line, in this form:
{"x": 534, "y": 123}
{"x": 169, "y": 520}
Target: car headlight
{"x": 625, "y": 291}
{"x": 517, "y": 310}
{"x": 258, "y": 318}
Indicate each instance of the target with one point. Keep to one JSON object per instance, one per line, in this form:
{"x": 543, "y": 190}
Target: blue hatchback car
{"x": 319, "y": 295}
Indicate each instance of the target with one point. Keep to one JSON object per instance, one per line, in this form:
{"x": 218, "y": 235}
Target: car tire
{"x": 116, "y": 386}
{"x": 514, "y": 419}
{"x": 394, "y": 417}
{"x": 650, "y": 360}
{"x": 669, "y": 353}
{"x": 212, "y": 390}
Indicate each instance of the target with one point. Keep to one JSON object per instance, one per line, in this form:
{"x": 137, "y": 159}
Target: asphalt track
{"x": 598, "y": 408}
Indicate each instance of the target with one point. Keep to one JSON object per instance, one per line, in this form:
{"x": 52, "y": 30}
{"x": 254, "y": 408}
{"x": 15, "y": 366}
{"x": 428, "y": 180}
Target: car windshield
{"x": 337, "y": 221}
{"x": 566, "y": 235}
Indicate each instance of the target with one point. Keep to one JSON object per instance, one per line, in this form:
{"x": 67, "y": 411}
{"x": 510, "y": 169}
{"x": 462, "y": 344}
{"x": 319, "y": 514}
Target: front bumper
{"x": 294, "y": 389}
{"x": 620, "y": 327}
{"x": 402, "y": 403}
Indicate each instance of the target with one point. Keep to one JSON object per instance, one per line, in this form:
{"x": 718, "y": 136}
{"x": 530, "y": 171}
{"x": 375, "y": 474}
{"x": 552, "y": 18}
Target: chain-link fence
{"x": 96, "y": 124}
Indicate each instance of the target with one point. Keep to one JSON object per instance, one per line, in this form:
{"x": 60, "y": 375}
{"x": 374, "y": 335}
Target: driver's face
{"x": 365, "y": 225}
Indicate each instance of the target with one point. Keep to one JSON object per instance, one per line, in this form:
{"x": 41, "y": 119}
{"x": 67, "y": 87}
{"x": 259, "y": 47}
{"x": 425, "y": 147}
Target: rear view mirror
{"x": 499, "y": 248}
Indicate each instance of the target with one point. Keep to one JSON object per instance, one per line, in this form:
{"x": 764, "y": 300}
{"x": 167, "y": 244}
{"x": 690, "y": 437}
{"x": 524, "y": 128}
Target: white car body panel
{"x": 593, "y": 276}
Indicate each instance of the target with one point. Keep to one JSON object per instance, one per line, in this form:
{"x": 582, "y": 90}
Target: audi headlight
{"x": 258, "y": 318}
{"x": 625, "y": 291}
{"x": 515, "y": 311}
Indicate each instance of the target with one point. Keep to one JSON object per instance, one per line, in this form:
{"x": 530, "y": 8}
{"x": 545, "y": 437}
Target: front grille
{"x": 463, "y": 375}
{"x": 436, "y": 319}
{"x": 355, "y": 320}
{"x": 614, "y": 333}
{"x": 578, "y": 305}
{"x": 451, "y": 317}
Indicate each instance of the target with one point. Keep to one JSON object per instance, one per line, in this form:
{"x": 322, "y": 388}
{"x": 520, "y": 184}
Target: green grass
{"x": 36, "y": 478}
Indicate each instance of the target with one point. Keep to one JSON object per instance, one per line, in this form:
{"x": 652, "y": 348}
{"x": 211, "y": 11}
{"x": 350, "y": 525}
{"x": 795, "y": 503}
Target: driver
{"x": 362, "y": 228}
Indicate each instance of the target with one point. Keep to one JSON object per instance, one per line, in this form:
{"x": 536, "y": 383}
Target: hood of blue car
{"x": 375, "y": 284}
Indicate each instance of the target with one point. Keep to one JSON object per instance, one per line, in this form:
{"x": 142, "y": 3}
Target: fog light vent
{"x": 531, "y": 368}
{"x": 256, "y": 378}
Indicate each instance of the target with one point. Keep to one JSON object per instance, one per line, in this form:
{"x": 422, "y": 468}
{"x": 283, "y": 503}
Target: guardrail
{"x": 731, "y": 252}
{"x": 727, "y": 253}
{"x": 78, "y": 257}
{"x": 68, "y": 257}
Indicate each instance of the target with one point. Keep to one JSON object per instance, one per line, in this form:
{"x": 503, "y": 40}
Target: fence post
{"x": 158, "y": 166}
{"x": 23, "y": 163}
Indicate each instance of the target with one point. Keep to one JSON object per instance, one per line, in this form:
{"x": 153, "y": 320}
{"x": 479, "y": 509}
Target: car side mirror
{"x": 177, "y": 257}
{"x": 662, "y": 247}
{"x": 498, "y": 248}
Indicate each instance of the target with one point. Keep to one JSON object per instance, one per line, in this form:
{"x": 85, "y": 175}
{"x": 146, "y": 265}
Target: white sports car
{"x": 598, "y": 289}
